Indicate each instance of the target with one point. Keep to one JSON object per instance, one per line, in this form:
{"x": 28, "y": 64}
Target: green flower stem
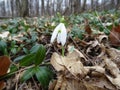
{"x": 63, "y": 51}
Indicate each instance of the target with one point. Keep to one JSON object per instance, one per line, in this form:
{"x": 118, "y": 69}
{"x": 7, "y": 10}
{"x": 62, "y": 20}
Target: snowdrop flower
{"x": 60, "y": 33}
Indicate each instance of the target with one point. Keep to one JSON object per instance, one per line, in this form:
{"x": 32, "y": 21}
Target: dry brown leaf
{"x": 87, "y": 27}
{"x": 2, "y": 85}
{"x": 99, "y": 83}
{"x": 76, "y": 76}
{"x": 114, "y": 54}
{"x": 115, "y": 36}
{"x": 94, "y": 49}
{"x": 71, "y": 62}
{"x": 114, "y": 71}
{"x": 75, "y": 67}
{"x": 57, "y": 62}
{"x": 64, "y": 83}
{"x": 102, "y": 38}
{"x": 98, "y": 78}
{"x": 4, "y": 65}
{"x": 52, "y": 84}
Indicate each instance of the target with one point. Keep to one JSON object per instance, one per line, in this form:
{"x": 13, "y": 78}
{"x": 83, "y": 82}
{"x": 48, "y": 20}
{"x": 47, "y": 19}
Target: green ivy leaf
{"x": 44, "y": 75}
{"x": 14, "y": 50}
{"x": 40, "y": 55}
{"x": 28, "y": 74}
{"x": 13, "y": 68}
{"x": 3, "y": 47}
{"x": 27, "y": 60}
{"x": 26, "y": 50}
{"x": 19, "y": 58}
{"x": 106, "y": 31}
{"x": 35, "y": 48}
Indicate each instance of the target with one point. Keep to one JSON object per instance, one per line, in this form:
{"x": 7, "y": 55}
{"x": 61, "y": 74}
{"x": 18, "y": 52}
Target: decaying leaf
{"x": 114, "y": 76}
{"x": 2, "y": 84}
{"x": 102, "y": 38}
{"x": 94, "y": 49}
{"x": 71, "y": 63}
{"x": 4, "y": 65}
{"x": 115, "y": 36}
{"x": 114, "y": 54}
{"x": 76, "y": 76}
{"x": 57, "y": 62}
{"x": 87, "y": 27}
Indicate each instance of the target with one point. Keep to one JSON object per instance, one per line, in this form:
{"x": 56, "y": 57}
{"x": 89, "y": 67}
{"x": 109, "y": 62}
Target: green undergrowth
{"x": 27, "y": 49}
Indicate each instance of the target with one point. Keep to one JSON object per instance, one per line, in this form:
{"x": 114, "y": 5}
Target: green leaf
{"x": 26, "y": 50}
{"x": 44, "y": 75}
{"x": 106, "y": 31}
{"x": 35, "y": 48}
{"x": 40, "y": 55}
{"x": 14, "y": 50}
{"x": 118, "y": 48}
{"x": 27, "y": 60}
{"x": 28, "y": 74}
{"x": 13, "y": 68}
{"x": 3, "y": 47}
{"x": 19, "y": 58}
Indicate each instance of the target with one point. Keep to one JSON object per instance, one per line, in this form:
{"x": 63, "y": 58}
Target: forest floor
{"x": 91, "y": 61}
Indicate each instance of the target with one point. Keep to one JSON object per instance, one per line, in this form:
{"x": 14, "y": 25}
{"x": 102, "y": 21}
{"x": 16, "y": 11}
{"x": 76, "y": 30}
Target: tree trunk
{"x": 96, "y": 5}
{"x": 112, "y": 4}
{"x": 59, "y": 4}
{"x": 18, "y": 7}
{"x": 71, "y": 5}
{"x": 84, "y": 4}
{"x": 24, "y": 11}
{"x": 118, "y": 4}
{"x": 48, "y": 7}
{"x": 42, "y": 8}
{"x": 12, "y": 8}
{"x": 3, "y": 8}
{"x": 37, "y": 7}
{"x": 77, "y": 6}
{"x": 92, "y": 3}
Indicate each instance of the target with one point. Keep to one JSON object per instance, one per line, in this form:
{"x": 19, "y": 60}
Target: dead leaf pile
{"x": 96, "y": 67}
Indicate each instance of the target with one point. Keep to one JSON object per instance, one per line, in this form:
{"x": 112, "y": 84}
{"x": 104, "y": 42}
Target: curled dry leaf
{"x": 4, "y": 65}
{"x": 95, "y": 49}
{"x": 102, "y": 38}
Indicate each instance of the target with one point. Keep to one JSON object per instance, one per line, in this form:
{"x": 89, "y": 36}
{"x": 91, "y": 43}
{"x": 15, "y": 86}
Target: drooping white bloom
{"x": 60, "y": 33}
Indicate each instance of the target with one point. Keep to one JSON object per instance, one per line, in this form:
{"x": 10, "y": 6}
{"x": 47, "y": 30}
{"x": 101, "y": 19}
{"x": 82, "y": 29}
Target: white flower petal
{"x": 63, "y": 35}
{"x": 54, "y": 34}
{"x": 58, "y": 38}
